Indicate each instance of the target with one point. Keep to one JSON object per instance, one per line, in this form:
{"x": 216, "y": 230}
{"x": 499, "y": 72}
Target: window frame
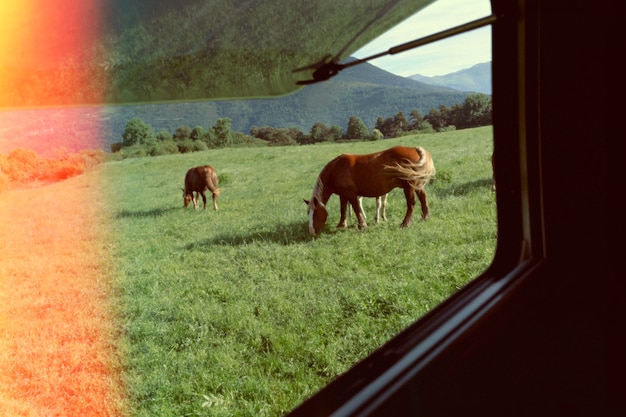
{"x": 517, "y": 149}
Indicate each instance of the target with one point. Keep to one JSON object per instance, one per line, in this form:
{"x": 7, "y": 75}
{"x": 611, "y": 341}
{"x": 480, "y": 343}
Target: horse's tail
{"x": 419, "y": 173}
{"x": 213, "y": 183}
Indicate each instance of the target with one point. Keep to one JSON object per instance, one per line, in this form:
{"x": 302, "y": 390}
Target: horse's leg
{"x": 356, "y": 206}
{"x": 360, "y": 208}
{"x": 421, "y": 194}
{"x": 194, "y": 198}
{"x": 377, "y": 216}
{"x": 381, "y": 202}
{"x": 409, "y": 194}
{"x": 203, "y": 198}
{"x": 384, "y": 201}
{"x": 342, "y": 213}
{"x": 214, "y": 201}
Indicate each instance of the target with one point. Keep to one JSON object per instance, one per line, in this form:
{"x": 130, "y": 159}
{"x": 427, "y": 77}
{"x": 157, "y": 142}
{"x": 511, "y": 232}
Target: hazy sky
{"x": 442, "y": 57}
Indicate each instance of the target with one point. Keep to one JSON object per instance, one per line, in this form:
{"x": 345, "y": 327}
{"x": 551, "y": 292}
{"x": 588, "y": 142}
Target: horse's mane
{"x": 318, "y": 188}
{"x": 419, "y": 173}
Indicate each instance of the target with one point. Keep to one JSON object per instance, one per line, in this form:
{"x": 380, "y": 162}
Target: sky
{"x": 439, "y": 58}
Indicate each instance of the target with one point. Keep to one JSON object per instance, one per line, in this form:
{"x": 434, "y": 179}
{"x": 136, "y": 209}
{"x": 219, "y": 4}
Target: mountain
{"x": 476, "y": 79}
{"x": 364, "y": 91}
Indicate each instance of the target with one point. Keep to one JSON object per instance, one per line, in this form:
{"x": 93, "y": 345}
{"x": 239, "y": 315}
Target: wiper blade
{"x": 326, "y": 69}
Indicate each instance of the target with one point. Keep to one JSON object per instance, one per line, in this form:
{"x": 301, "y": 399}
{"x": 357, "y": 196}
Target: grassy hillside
{"x": 241, "y": 312}
{"x": 238, "y": 312}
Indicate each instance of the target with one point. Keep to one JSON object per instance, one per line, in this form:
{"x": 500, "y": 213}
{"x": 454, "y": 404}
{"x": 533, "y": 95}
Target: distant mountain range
{"x": 364, "y": 91}
{"x": 476, "y": 78}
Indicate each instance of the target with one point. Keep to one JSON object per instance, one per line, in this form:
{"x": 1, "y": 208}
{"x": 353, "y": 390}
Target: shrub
{"x": 116, "y": 147}
{"x": 376, "y": 135}
{"x": 134, "y": 151}
{"x": 23, "y": 165}
{"x": 4, "y": 181}
{"x": 165, "y": 147}
{"x": 186, "y": 145}
{"x": 223, "y": 178}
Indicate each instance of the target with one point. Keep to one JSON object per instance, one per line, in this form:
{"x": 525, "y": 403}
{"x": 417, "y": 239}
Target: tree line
{"x": 24, "y": 166}
{"x": 140, "y": 139}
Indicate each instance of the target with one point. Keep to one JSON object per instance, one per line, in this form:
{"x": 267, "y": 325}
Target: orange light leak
{"x": 56, "y": 338}
{"x": 45, "y": 50}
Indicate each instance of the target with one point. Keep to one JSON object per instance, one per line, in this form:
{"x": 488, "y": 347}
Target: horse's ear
{"x": 306, "y": 201}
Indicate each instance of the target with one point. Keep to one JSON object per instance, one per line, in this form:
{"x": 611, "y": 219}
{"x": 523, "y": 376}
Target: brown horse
{"x": 372, "y": 175}
{"x": 198, "y": 180}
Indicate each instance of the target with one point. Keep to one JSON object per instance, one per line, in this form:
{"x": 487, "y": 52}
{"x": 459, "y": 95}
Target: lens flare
{"x": 56, "y": 331}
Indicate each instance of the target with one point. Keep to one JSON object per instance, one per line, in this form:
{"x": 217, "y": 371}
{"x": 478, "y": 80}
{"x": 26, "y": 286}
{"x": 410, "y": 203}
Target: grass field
{"x": 241, "y": 312}
{"x": 57, "y": 304}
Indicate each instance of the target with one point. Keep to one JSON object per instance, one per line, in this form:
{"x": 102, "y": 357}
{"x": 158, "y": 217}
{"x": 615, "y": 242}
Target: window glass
{"x": 236, "y": 309}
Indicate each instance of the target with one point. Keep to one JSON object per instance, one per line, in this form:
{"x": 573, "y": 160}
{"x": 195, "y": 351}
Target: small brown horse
{"x": 198, "y": 180}
{"x": 372, "y": 175}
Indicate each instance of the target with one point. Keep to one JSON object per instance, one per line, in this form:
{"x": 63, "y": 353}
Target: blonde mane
{"x": 318, "y": 189}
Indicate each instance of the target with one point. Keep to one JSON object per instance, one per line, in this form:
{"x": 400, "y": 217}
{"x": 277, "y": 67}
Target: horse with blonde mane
{"x": 372, "y": 175}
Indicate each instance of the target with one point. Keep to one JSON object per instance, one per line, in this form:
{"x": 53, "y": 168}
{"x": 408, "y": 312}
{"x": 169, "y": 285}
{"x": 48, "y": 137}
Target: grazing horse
{"x": 372, "y": 175}
{"x": 198, "y": 180}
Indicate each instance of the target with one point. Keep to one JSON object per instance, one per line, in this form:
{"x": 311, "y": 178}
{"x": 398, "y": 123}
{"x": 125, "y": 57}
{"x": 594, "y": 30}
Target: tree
{"x": 281, "y": 137}
{"x": 356, "y": 129}
{"x": 439, "y": 118}
{"x": 221, "y": 132}
{"x": 400, "y": 124}
{"x": 163, "y": 135}
{"x": 138, "y": 132}
{"x": 416, "y": 119}
{"x": 319, "y": 133}
{"x": 477, "y": 110}
{"x": 182, "y": 133}
{"x": 335, "y": 133}
{"x": 198, "y": 133}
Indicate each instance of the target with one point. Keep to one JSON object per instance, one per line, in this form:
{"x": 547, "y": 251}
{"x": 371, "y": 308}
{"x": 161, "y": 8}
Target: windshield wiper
{"x": 328, "y": 68}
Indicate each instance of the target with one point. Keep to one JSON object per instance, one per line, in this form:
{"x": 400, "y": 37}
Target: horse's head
{"x": 318, "y": 214}
{"x": 187, "y": 198}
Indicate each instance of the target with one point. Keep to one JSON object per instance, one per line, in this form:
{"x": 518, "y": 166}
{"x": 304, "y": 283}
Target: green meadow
{"x": 241, "y": 312}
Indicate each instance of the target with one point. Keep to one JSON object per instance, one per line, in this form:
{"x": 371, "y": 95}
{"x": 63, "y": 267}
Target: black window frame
{"x": 520, "y": 249}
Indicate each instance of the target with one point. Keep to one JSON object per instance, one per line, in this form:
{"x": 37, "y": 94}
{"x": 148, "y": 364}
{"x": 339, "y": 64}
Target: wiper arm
{"x": 328, "y": 69}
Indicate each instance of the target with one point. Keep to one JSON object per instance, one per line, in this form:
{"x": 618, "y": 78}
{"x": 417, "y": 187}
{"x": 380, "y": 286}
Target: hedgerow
{"x": 23, "y": 167}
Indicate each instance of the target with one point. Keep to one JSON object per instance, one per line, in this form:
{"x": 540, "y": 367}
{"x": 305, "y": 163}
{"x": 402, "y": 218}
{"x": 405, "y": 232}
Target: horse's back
{"x": 201, "y": 178}
{"x": 403, "y": 153}
{"x": 385, "y": 157}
